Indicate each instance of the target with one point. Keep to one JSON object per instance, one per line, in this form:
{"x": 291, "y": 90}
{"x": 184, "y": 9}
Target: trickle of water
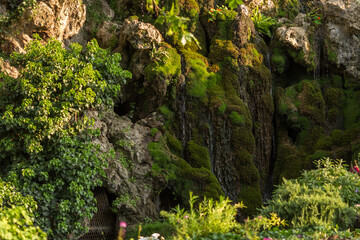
{"x": 182, "y": 114}
{"x": 211, "y": 142}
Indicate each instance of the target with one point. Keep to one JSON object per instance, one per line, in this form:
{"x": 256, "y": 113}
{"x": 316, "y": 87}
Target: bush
{"x": 46, "y": 148}
{"x": 16, "y": 224}
{"x": 16, "y": 215}
{"x": 211, "y": 217}
{"x": 320, "y": 198}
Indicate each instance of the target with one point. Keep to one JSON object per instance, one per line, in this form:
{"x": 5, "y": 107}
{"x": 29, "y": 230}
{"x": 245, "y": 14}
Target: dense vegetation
{"x": 46, "y": 149}
{"x": 321, "y": 204}
{"x": 239, "y": 111}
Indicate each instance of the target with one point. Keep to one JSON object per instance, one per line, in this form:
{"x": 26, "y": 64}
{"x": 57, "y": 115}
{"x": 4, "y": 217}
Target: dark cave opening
{"x": 103, "y": 224}
{"x": 168, "y": 199}
{"x": 123, "y": 108}
{"x": 293, "y": 74}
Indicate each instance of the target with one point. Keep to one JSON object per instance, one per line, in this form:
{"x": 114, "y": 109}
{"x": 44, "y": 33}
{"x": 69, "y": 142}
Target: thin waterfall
{"x": 182, "y": 113}
{"x": 211, "y": 142}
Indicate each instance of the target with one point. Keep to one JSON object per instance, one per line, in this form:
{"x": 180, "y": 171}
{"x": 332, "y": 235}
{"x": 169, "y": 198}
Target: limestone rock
{"x": 107, "y": 35}
{"x": 342, "y": 31}
{"x": 140, "y": 35}
{"x": 59, "y": 19}
{"x": 8, "y": 69}
{"x": 296, "y": 39}
{"x": 243, "y": 27}
{"x": 128, "y": 174}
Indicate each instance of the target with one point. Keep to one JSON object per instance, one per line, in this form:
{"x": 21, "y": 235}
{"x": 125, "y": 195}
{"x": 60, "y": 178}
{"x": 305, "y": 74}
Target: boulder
{"x": 128, "y": 175}
{"x": 51, "y": 19}
{"x": 140, "y": 35}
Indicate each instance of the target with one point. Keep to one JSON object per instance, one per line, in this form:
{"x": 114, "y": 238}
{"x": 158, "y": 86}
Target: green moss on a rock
{"x": 250, "y": 195}
{"x": 237, "y": 118}
{"x": 278, "y": 60}
{"x": 324, "y": 143}
{"x": 220, "y": 49}
{"x": 198, "y": 155}
{"x": 174, "y": 144}
{"x": 166, "y": 66}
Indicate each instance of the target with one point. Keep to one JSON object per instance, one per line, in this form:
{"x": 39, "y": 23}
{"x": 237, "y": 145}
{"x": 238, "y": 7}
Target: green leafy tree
{"x": 46, "y": 147}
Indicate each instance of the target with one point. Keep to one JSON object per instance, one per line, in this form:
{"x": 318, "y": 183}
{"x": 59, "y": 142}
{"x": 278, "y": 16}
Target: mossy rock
{"x": 219, "y": 49}
{"x": 198, "y": 155}
{"x": 324, "y": 143}
{"x": 278, "y": 60}
{"x": 243, "y": 137}
{"x": 174, "y": 144}
{"x": 351, "y": 108}
{"x": 197, "y": 79}
{"x": 342, "y": 138}
{"x": 245, "y": 167}
{"x": 312, "y": 103}
{"x": 166, "y": 66}
{"x": 290, "y": 161}
{"x": 288, "y": 8}
{"x": 249, "y": 55}
{"x": 333, "y": 97}
{"x": 250, "y": 195}
{"x": 202, "y": 181}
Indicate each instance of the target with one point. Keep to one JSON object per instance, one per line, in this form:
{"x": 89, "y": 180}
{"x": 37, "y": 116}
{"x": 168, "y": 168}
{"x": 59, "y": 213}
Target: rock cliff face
{"x": 50, "y": 19}
{"x": 232, "y": 117}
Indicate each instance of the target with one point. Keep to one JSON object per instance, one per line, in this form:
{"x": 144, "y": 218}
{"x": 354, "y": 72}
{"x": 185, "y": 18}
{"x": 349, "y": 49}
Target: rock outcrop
{"x": 51, "y": 19}
{"x": 128, "y": 175}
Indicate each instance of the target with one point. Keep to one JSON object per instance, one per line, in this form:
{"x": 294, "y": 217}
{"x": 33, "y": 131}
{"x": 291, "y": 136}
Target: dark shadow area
{"x": 122, "y": 108}
{"x": 168, "y": 199}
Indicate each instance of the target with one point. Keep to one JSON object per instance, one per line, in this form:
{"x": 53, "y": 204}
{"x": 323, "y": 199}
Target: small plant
{"x": 261, "y": 22}
{"x": 315, "y": 16}
{"x": 158, "y": 55}
{"x": 215, "y": 13}
{"x": 234, "y": 3}
{"x": 177, "y": 25}
{"x": 211, "y": 217}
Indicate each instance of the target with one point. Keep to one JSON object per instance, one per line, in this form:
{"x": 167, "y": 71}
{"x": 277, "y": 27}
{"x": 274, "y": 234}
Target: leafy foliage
{"x": 321, "y": 197}
{"x": 16, "y": 224}
{"x": 262, "y": 23}
{"x": 16, "y": 215}
{"x": 176, "y": 25}
{"x": 215, "y": 13}
{"x": 233, "y": 3}
{"x": 211, "y": 217}
{"x": 17, "y": 8}
{"x": 46, "y": 144}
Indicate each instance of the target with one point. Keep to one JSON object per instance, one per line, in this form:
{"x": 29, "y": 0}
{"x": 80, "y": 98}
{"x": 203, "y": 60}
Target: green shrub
{"x": 17, "y": 215}
{"x": 16, "y": 224}
{"x": 262, "y": 23}
{"x": 46, "y": 148}
{"x": 211, "y": 217}
{"x": 322, "y": 197}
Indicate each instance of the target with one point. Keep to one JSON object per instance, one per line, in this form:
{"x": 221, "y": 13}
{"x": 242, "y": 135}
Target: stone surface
{"x": 243, "y": 27}
{"x": 342, "y": 31}
{"x": 8, "y": 69}
{"x": 107, "y": 34}
{"x": 140, "y": 35}
{"x": 59, "y": 19}
{"x": 129, "y": 173}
